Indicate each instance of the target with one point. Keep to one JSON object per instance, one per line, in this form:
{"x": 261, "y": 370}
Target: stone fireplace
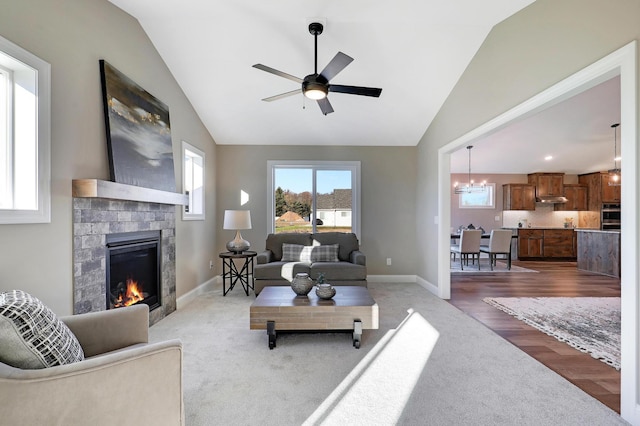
{"x": 97, "y": 217}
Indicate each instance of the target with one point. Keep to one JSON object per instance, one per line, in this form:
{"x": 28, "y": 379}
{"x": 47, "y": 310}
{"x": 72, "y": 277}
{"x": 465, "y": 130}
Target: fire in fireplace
{"x": 133, "y": 269}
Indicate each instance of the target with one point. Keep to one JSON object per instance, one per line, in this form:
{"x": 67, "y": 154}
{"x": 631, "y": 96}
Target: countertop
{"x": 604, "y": 231}
{"x": 541, "y": 227}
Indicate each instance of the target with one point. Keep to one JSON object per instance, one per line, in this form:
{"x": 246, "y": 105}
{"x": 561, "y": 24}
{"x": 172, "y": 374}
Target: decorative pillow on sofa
{"x": 310, "y": 254}
{"x": 31, "y": 336}
{"x": 326, "y": 253}
{"x": 291, "y": 252}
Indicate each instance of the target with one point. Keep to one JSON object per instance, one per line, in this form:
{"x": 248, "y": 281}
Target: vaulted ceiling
{"x": 415, "y": 50}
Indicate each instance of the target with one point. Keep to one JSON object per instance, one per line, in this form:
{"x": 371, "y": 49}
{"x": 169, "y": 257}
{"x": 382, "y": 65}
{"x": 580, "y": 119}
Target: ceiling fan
{"x": 316, "y": 86}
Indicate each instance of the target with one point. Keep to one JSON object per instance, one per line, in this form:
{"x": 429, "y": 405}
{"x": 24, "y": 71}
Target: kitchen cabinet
{"x": 530, "y": 243}
{"x": 559, "y": 243}
{"x": 518, "y": 196}
{"x": 599, "y": 190}
{"x": 547, "y": 184}
{"x": 610, "y": 194}
{"x": 546, "y": 244}
{"x": 577, "y": 197}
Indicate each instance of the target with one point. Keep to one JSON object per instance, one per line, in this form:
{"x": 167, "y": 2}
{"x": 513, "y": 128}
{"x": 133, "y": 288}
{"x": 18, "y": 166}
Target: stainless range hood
{"x": 551, "y": 199}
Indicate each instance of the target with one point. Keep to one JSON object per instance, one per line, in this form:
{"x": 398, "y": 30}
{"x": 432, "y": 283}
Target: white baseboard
{"x": 391, "y": 278}
{"x": 189, "y": 297}
{"x": 428, "y": 286}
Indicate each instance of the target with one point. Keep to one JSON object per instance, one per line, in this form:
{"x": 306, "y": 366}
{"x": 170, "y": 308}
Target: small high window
{"x": 25, "y": 87}
{"x": 193, "y": 182}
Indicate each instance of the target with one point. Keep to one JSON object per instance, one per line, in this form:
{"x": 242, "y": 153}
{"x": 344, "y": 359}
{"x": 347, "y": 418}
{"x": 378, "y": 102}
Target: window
{"x": 25, "y": 87}
{"x": 193, "y": 182}
{"x": 317, "y": 196}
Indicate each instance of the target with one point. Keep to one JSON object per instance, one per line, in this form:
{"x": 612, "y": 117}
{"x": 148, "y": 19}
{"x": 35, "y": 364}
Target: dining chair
{"x": 499, "y": 243}
{"x": 469, "y": 244}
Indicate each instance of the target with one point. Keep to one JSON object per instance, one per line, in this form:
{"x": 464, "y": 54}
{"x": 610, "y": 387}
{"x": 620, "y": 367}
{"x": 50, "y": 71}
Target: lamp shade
{"x": 237, "y": 219}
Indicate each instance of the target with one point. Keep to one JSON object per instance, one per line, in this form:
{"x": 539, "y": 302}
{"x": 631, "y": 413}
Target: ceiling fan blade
{"x": 355, "y": 90}
{"x": 337, "y": 64}
{"x": 278, "y": 73}
{"x": 282, "y": 95}
{"x": 325, "y": 106}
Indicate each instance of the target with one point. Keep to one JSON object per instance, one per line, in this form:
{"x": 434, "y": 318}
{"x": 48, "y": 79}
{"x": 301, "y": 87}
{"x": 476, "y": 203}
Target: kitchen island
{"x": 599, "y": 251}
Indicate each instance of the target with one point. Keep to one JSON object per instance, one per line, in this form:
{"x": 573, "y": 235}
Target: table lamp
{"x": 237, "y": 220}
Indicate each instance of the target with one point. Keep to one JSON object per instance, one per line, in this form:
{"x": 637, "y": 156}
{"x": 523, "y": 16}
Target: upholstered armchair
{"x": 122, "y": 380}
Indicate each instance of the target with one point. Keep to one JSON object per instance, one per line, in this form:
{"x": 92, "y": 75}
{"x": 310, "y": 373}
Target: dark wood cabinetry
{"x": 577, "y": 197}
{"x": 530, "y": 243}
{"x": 547, "y": 184}
{"x": 518, "y": 196}
{"x": 610, "y": 194}
{"x": 599, "y": 190}
{"x": 546, "y": 244}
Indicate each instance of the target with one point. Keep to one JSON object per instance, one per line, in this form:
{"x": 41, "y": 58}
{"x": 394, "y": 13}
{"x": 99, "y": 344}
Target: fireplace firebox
{"x": 133, "y": 264}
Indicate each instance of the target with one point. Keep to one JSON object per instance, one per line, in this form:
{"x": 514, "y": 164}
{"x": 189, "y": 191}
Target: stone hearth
{"x": 93, "y": 219}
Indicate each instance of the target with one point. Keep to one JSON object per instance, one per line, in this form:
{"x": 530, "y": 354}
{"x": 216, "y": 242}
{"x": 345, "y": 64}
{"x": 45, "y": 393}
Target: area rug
{"x": 485, "y": 268}
{"x": 589, "y": 324}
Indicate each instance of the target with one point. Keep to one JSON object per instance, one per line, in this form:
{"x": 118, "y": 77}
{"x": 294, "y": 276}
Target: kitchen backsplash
{"x": 542, "y": 216}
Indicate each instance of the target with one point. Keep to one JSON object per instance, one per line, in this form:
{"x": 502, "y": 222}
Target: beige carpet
{"x": 435, "y": 366}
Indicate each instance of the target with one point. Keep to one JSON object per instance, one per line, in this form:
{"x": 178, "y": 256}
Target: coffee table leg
{"x": 271, "y": 332}
{"x": 357, "y": 333}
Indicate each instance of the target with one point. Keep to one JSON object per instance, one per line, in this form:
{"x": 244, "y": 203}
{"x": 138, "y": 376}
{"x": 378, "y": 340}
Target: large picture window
{"x": 24, "y": 136}
{"x": 318, "y": 196}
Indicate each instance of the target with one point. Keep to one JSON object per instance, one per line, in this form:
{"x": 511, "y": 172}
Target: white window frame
{"x": 190, "y": 151}
{"x": 18, "y": 60}
{"x": 353, "y": 166}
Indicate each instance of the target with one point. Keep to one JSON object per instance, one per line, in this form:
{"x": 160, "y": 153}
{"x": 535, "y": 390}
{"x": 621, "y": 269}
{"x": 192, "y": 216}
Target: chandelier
{"x": 470, "y": 186}
{"x": 615, "y": 177}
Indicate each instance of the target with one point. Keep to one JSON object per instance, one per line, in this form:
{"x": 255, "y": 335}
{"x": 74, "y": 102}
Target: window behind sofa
{"x": 318, "y": 196}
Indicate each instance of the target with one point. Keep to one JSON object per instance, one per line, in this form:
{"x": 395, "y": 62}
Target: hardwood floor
{"x": 554, "y": 279}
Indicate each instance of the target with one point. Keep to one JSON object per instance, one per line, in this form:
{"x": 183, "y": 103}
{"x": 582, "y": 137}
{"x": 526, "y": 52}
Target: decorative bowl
{"x": 302, "y": 284}
{"x": 325, "y": 291}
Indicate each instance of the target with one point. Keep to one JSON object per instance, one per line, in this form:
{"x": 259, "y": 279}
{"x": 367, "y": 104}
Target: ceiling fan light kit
{"x": 316, "y": 86}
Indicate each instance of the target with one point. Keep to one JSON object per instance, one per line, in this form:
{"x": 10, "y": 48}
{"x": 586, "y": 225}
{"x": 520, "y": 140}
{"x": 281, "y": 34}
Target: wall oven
{"x": 610, "y": 216}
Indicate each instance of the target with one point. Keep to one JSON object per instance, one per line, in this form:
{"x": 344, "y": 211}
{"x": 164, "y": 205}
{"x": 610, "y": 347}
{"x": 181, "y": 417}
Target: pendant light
{"x": 615, "y": 174}
{"x": 470, "y": 186}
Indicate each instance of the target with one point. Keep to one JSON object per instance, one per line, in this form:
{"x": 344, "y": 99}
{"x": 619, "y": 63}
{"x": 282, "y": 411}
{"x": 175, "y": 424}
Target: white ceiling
{"x": 577, "y": 133}
{"x": 415, "y": 50}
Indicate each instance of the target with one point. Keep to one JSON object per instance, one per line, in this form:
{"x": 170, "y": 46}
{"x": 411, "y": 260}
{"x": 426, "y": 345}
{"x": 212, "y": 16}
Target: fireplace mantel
{"x": 96, "y": 188}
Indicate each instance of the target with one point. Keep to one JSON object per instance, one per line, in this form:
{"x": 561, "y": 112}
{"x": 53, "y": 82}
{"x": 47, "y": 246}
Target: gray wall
{"x": 388, "y": 196}
{"x": 522, "y": 56}
{"x": 72, "y": 35}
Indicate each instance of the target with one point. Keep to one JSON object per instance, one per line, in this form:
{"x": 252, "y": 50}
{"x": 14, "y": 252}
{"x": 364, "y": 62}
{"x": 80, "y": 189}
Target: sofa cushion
{"x": 346, "y": 240}
{"x": 280, "y": 270}
{"x": 31, "y": 336}
{"x": 338, "y": 271}
{"x": 274, "y": 242}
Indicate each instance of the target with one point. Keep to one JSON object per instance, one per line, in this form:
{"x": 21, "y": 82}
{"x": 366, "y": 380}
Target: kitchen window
{"x": 25, "y": 87}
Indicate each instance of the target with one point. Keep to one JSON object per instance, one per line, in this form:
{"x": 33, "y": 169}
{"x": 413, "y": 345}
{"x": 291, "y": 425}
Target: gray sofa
{"x": 350, "y": 269}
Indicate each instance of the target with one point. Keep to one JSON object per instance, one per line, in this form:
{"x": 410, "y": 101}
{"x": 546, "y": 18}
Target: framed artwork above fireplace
{"x": 138, "y": 133}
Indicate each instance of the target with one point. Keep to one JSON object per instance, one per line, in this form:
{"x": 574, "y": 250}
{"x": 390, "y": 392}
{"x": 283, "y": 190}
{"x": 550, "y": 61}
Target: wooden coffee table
{"x": 278, "y": 308}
